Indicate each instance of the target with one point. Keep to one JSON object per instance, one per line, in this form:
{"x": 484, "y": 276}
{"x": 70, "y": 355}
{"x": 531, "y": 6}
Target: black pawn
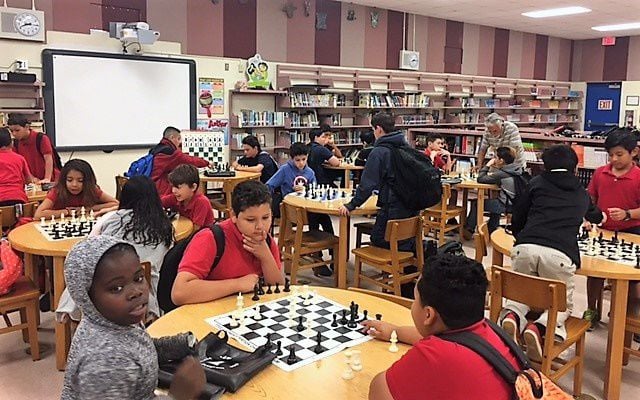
{"x": 637, "y": 261}
{"x": 300, "y": 326}
{"x": 364, "y": 315}
{"x": 335, "y": 321}
{"x": 292, "y": 359}
{"x": 318, "y": 349}
{"x": 277, "y": 288}
{"x": 286, "y": 286}
{"x": 269, "y": 290}
{"x": 269, "y": 344}
{"x": 343, "y": 320}
{"x": 279, "y": 349}
{"x": 379, "y": 317}
{"x": 255, "y": 293}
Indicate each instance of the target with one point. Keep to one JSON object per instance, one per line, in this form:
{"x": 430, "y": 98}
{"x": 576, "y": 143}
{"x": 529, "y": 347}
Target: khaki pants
{"x": 545, "y": 262}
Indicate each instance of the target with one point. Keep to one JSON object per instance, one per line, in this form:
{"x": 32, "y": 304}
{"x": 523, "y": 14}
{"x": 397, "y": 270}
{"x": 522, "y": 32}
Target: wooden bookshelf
{"x": 23, "y": 98}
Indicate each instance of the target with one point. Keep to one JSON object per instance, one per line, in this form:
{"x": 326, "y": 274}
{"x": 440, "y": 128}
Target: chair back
{"x": 292, "y": 222}
{"x": 146, "y": 267}
{"x": 120, "y": 182}
{"x": 403, "y": 301}
{"x": 7, "y": 216}
{"x": 403, "y": 229}
{"x": 481, "y": 241}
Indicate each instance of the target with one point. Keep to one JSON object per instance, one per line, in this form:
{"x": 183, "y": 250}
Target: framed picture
{"x": 633, "y": 100}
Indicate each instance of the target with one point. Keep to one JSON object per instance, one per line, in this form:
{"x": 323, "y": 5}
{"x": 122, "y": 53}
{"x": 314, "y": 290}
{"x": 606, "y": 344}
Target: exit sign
{"x": 609, "y": 41}
{"x": 605, "y": 105}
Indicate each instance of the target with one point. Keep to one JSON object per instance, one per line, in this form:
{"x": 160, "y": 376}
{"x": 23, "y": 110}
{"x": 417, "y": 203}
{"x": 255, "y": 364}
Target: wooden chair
{"x": 543, "y": 294}
{"x": 222, "y": 202}
{"x": 23, "y": 297}
{"x": 391, "y": 261}
{"x": 363, "y": 228}
{"x": 120, "y": 182}
{"x": 146, "y": 267}
{"x": 482, "y": 240}
{"x": 8, "y": 214}
{"x": 436, "y": 217}
{"x": 632, "y": 326}
{"x": 403, "y": 301}
{"x": 298, "y": 248}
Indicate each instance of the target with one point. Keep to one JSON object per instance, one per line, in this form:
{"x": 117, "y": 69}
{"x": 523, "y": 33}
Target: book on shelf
{"x": 237, "y": 139}
{"x": 260, "y": 118}
{"x": 303, "y": 119}
{"x": 303, "y": 99}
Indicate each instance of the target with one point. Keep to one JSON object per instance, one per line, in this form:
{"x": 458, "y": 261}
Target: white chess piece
{"x": 356, "y": 362}
{"x": 53, "y": 219}
{"x": 394, "y": 339}
{"x": 62, "y": 215}
{"x": 92, "y": 215}
{"x": 73, "y": 216}
{"x": 43, "y": 221}
{"x": 348, "y": 372}
{"x": 257, "y": 316}
{"x": 233, "y": 323}
{"x": 239, "y": 300}
{"x": 83, "y": 214}
{"x": 308, "y": 332}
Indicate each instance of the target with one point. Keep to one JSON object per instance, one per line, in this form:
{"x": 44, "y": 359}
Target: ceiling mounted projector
{"x": 133, "y": 32}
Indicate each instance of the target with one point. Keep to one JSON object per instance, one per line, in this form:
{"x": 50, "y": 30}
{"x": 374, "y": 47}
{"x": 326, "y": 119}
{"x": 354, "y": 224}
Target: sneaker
{"x": 533, "y": 340}
{"x": 592, "y": 317}
{"x": 322, "y": 270}
{"x": 45, "y": 303}
{"x": 511, "y": 324}
{"x": 467, "y": 234}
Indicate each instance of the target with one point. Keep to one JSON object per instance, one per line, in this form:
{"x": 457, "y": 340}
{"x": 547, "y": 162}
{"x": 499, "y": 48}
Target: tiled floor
{"x": 20, "y": 378}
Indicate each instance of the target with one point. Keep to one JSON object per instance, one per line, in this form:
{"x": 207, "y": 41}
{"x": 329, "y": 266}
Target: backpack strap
{"x": 218, "y": 235}
{"x": 39, "y": 142}
{"x": 513, "y": 346}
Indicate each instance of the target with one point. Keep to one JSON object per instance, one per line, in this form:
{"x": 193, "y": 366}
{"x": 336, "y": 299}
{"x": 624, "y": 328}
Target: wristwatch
{"x": 627, "y": 215}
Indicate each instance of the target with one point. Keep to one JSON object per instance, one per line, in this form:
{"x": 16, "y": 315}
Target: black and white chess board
{"x": 207, "y": 145}
{"x": 276, "y": 322}
{"x": 610, "y": 249}
{"x": 326, "y": 193}
{"x": 65, "y": 230}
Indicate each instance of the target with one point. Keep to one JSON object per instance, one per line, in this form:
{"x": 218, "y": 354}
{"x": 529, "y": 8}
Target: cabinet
{"x": 23, "y": 98}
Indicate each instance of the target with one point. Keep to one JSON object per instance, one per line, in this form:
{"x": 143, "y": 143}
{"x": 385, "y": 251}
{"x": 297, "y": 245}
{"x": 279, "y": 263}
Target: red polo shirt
{"x": 236, "y": 262}
{"x": 27, "y": 148}
{"x": 198, "y": 209}
{"x": 163, "y": 164}
{"x": 616, "y": 192}
{"x": 14, "y": 173}
{"x": 72, "y": 200}
{"x": 438, "y": 369}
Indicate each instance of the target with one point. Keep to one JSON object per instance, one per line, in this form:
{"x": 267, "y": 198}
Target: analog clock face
{"x": 27, "y": 24}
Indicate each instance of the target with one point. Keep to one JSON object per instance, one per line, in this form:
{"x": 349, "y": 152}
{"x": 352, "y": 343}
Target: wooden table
{"x": 347, "y": 168}
{"x": 36, "y": 196}
{"x": 482, "y": 189}
{"x": 320, "y": 380}
{"x": 332, "y": 208}
{"x": 228, "y": 183}
{"x": 619, "y": 275}
{"x": 28, "y": 239}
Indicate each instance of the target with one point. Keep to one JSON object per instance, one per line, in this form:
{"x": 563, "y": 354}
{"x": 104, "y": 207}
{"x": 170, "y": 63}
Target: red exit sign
{"x": 609, "y": 41}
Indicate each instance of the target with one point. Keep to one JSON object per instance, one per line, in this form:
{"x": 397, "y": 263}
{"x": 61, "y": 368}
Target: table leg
{"x": 343, "y": 256}
{"x": 31, "y": 271}
{"x": 347, "y": 179}
{"x": 465, "y": 200}
{"x": 480, "y": 209}
{"x": 63, "y": 332}
{"x": 615, "y": 340}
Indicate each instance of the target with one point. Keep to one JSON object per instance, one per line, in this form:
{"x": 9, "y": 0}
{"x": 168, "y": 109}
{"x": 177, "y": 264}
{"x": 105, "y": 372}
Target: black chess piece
{"x": 292, "y": 359}
{"x": 287, "y": 284}
{"x": 600, "y": 237}
{"x": 352, "y": 320}
{"x": 255, "y": 297}
{"x": 318, "y": 349}
{"x": 637, "y": 261}
{"x": 269, "y": 290}
{"x": 379, "y": 317}
{"x": 279, "y": 349}
{"x": 364, "y": 315}
{"x": 260, "y": 285}
{"x": 300, "y": 326}
{"x": 343, "y": 320}
{"x": 615, "y": 237}
{"x": 269, "y": 344}
{"x": 335, "y": 320}
{"x": 277, "y": 288}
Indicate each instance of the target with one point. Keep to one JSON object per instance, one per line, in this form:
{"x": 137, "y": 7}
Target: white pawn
{"x": 233, "y": 323}
{"x": 348, "y": 372}
{"x": 53, "y": 219}
{"x": 62, "y": 215}
{"x": 92, "y": 215}
{"x": 257, "y": 316}
{"x": 239, "y": 300}
{"x": 394, "y": 339}
{"x": 73, "y": 216}
{"x": 356, "y": 363}
{"x": 43, "y": 222}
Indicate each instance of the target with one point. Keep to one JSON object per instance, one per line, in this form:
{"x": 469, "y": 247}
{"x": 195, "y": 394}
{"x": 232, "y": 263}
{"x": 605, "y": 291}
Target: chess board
{"x": 277, "y": 323}
{"x": 208, "y": 145}
{"x": 323, "y": 194}
{"x": 607, "y": 249}
{"x": 65, "y": 230}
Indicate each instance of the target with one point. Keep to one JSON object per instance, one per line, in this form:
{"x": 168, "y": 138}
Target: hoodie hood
{"x": 396, "y": 138}
{"x": 79, "y": 268}
{"x": 563, "y": 180}
{"x": 512, "y": 168}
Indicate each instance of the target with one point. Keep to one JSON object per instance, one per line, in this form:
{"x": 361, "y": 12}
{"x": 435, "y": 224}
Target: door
{"x": 602, "y": 109}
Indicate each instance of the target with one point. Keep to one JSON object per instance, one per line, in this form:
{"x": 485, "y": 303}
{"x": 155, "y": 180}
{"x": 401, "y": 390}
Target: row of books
{"x": 394, "y": 100}
{"x": 260, "y": 118}
{"x": 468, "y": 145}
{"x": 470, "y": 102}
{"x": 464, "y": 118}
{"x": 304, "y": 119}
{"x": 303, "y": 99}
{"x": 541, "y": 118}
{"x": 418, "y": 119}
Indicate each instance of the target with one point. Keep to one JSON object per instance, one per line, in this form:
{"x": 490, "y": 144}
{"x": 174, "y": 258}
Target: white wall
{"x": 629, "y": 88}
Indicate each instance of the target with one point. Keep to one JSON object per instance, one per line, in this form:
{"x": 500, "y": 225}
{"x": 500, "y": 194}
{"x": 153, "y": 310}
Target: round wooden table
{"x": 28, "y": 239}
{"x": 347, "y": 168}
{"x": 320, "y": 380}
{"x": 482, "y": 188}
{"x": 228, "y": 183}
{"x": 332, "y": 208}
{"x": 619, "y": 275}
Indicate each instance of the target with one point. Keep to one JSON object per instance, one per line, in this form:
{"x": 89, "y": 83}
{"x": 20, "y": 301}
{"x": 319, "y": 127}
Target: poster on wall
{"x": 257, "y": 73}
{"x": 210, "y": 96}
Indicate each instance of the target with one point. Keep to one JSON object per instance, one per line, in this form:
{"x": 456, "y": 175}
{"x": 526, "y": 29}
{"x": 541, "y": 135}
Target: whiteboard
{"x": 100, "y": 101}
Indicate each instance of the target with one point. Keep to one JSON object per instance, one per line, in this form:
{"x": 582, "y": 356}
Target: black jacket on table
{"x": 550, "y": 213}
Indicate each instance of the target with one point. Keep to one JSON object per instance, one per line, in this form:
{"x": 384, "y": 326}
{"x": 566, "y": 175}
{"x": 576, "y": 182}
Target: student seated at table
{"x": 255, "y": 160}
{"x": 186, "y": 199}
{"x": 545, "y": 222}
{"x": 249, "y": 252}
{"x": 449, "y": 297}
{"x": 39, "y": 159}
{"x": 320, "y": 155}
{"x": 76, "y": 188}
{"x": 439, "y": 155}
{"x": 167, "y": 156}
{"x": 502, "y": 171}
{"x": 111, "y": 355}
{"x": 14, "y": 172}
{"x": 615, "y": 188}
{"x": 367, "y": 138}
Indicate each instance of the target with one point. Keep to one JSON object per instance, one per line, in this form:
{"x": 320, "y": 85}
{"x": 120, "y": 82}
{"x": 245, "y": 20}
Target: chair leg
{"x": 295, "y": 262}
{"x": 336, "y": 253}
{"x": 23, "y": 319}
{"x": 358, "y": 238}
{"x": 577, "y": 372}
{"x": 441, "y": 232}
{"x": 628, "y": 341}
{"x": 396, "y": 283}
{"x": 32, "y": 312}
{"x": 357, "y": 270}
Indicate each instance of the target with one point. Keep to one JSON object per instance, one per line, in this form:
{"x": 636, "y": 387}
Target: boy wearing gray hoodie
{"x": 112, "y": 356}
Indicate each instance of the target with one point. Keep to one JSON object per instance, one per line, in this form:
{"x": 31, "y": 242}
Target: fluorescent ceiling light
{"x": 555, "y": 12}
{"x": 618, "y": 27}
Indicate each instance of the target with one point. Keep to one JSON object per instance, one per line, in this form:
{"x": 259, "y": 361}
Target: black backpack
{"x": 416, "y": 181}
{"x": 57, "y": 161}
{"x": 520, "y": 184}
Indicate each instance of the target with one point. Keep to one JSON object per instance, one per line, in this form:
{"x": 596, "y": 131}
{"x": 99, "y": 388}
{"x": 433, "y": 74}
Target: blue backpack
{"x": 144, "y": 165}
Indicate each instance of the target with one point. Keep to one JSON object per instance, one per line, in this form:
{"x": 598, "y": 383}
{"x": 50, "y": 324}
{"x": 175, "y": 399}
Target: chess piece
{"x": 364, "y": 315}
{"x": 92, "y": 215}
{"x": 356, "y": 362}
{"x": 73, "y": 216}
{"x": 394, "y": 339}
{"x": 43, "y": 221}
{"x": 256, "y": 291}
{"x": 53, "y": 220}
{"x": 615, "y": 236}
{"x": 292, "y": 359}
{"x": 279, "y": 348}
{"x": 269, "y": 344}
{"x": 300, "y": 326}
{"x": 269, "y": 290}
{"x": 348, "y": 372}
{"x": 257, "y": 316}
{"x": 286, "y": 285}
{"x": 378, "y": 317}
{"x": 233, "y": 323}
{"x": 62, "y": 220}
{"x": 343, "y": 320}
{"x": 335, "y": 321}
{"x": 318, "y": 349}
{"x": 352, "y": 320}
{"x": 637, "y": 261}
{"x": 277, "y": 288}
{"x": 239, "y": 301}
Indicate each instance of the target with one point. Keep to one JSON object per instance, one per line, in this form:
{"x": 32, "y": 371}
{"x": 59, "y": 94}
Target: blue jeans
{"x": 493, "y": 206}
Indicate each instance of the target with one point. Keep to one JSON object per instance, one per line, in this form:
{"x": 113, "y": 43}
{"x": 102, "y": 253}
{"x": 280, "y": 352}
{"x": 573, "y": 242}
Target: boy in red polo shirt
{"x": 615, "y": 189}
{"x": 14, "y": 172}
{"x": 40, "y": 160}
{"x": 186, "y": 199}
{"x": 247, "y": 256}
{"x": 449, "y": 297}
{"x": 440, "y": 157}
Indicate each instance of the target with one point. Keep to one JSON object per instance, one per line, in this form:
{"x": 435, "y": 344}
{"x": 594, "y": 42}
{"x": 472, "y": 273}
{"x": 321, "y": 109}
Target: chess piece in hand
{"x": 380, "y": 330}
{"x": 188, "y": 381}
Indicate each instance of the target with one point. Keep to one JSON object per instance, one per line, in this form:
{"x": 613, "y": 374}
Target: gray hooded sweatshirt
{"x": 106, "y": 361}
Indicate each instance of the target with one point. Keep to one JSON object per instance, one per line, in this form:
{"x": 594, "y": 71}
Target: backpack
{"x": 416, "y": 181}
{"x": 144, "y": 165}
{"x": 57, "y": 161}
{"x": 527, "y": 383}
{"x": 520, "y": 184}
{"x": 171, "y": 261}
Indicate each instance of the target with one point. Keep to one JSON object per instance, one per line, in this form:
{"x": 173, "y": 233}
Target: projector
{"x": 133, "y": 32}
